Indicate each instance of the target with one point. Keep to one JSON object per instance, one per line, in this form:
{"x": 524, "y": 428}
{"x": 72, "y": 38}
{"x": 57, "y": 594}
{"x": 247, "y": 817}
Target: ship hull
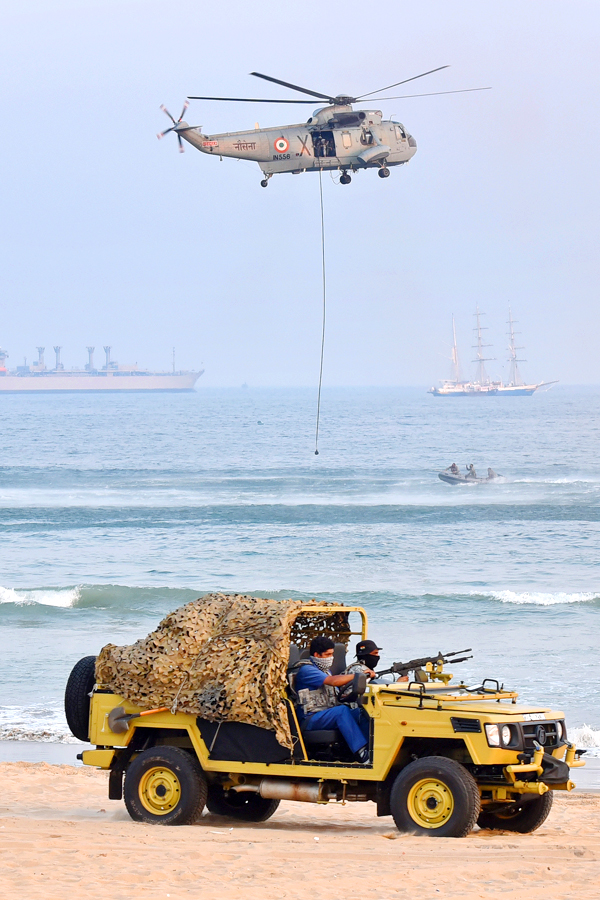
{"x": 102, "y": 381}
{"x": 436, "y": 392}
{"x": 525, "y": 391}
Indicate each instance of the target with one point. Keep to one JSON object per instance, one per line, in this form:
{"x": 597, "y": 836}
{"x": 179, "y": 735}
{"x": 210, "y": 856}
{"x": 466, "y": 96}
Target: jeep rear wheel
{"x": 524, "y": 816}
{"x": 165, "y": 786}
{"x": 248, "y": 806}
{"x": 435, "y": 796}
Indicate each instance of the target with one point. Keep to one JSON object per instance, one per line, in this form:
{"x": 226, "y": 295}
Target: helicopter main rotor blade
{"x": 435, "y": 93}
{"x": 406, "y": 80}
{"x": 294, "y": 87}
{"x": 252, "y": 100}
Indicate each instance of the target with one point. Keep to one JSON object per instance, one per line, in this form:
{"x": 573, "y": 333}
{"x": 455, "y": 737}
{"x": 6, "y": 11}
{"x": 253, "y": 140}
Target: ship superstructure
{"x": 483, "y": 385}
{"x": 110, "y": 377}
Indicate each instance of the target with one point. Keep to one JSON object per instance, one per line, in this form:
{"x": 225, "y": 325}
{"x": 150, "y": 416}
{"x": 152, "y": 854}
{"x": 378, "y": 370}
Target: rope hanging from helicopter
{"x": 324, "y": 312}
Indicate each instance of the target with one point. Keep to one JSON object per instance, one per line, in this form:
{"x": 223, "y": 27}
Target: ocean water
{"x": 117, "y": 509}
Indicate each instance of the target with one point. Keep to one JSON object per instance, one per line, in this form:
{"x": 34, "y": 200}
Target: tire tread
{"x": 77, "y": 702}
{"x": 442, "y": 767}
{"x": 191, "y": 778}
{"x": 531, "y": 815}
{"x": 216, "y": 804}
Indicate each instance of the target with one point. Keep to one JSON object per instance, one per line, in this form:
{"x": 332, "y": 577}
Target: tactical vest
{"x": 313, "y": 701}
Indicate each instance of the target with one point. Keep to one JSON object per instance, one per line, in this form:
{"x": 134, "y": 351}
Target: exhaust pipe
{"x": 284, "y": 789}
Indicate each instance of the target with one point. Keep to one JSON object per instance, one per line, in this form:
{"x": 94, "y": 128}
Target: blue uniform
{"x": 352, "y": 723}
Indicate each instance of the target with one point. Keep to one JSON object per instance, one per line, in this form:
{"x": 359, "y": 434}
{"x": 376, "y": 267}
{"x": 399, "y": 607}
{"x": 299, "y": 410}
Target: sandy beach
{"x": 60, "y": 837}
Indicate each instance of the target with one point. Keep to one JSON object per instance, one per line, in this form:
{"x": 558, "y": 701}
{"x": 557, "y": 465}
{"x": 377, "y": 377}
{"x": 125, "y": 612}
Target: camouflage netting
{"x": 222, "y": 657}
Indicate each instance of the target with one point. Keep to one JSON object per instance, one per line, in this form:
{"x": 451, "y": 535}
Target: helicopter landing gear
{"x": 265, "y": 180}
{"x": 345, "y": 178}
{"x": 384, "y": 172}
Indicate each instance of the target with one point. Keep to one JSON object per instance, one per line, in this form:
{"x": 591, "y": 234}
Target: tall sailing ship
{"x": 483, "y": 384}
{"x": 110, "y": 377}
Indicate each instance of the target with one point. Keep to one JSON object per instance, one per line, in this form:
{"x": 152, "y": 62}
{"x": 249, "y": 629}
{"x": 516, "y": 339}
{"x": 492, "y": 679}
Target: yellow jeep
{"x": 443, "y": 756}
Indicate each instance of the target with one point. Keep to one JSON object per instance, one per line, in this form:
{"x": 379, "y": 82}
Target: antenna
{"x": 483, "y": 377}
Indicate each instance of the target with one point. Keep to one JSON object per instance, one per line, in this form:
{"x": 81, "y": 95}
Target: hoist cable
{"x": 324, "y": 309}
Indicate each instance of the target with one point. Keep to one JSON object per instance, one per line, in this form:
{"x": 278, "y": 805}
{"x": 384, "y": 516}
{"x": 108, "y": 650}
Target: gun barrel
{"x": 400, "y": 668}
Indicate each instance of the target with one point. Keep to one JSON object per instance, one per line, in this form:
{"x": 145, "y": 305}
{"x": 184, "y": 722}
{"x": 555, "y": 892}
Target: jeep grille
{"x": 470, "y": 725}
{"x": 545, "y": 733}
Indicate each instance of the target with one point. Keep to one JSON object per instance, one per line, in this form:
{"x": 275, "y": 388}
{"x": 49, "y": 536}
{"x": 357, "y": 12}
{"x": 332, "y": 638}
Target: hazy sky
{"x": 111, "y": 236}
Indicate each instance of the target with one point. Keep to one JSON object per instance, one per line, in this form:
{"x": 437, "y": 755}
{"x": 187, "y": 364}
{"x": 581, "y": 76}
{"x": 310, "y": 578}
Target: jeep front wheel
{"x": 524, "y": 816}
{"x": 435, "y": 796}
{"x": 165, "y": 786}
{"x": 248, "y": 806}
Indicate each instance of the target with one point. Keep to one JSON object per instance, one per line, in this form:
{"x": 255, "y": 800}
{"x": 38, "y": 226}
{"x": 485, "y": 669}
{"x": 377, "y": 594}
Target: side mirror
{"x": 354, "y": 690}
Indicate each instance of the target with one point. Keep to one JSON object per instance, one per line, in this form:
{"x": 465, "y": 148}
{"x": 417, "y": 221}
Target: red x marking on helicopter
{"x": 304, "y": 145}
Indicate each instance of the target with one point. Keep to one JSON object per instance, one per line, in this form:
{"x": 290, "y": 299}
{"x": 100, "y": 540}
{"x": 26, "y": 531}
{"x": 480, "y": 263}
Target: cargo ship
{"x": 110, "y": 377}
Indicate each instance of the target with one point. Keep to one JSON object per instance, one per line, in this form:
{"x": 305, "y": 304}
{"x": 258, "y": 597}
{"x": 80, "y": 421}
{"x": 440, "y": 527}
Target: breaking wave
{"x": 100, "y": 596}
{"x": 35, "y": 723}
{"x": 61, "y": 597}
{"x": 586, "y": 738}
{"x": 132, "y": 597}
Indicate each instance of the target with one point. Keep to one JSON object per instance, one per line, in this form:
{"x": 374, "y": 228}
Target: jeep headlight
{"x": 506, "y": 735}
{"x": 492, "y": 733}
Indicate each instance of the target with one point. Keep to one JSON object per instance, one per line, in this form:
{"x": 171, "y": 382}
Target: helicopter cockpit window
{"x": 400, "y": 133}
{"x": 323, "y": 143}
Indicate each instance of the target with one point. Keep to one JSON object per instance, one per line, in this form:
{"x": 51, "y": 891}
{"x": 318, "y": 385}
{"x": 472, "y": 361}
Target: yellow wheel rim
{"x": 160, "y": 791}
{"x": 430, "y": 803}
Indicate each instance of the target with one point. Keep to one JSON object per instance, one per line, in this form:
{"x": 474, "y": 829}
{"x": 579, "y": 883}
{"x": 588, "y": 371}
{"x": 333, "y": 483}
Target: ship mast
{"x": 455, "y": 362}
{"x": 483, "y": 377}
{"x": 515, "y": 375}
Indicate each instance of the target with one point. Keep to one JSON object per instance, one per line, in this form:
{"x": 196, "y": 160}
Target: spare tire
{"x": 77, "y": 697}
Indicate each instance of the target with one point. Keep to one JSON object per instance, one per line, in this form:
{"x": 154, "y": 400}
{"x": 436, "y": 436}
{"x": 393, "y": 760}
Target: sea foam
{"x": 45, "y": 724}
{"x": 541, "y": 598}
{"x": 586, "y": 738}
{"x": 61, "y": 597}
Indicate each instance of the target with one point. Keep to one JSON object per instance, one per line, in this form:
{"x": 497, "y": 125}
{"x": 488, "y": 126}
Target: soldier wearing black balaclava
{"x": 367, "y": 659}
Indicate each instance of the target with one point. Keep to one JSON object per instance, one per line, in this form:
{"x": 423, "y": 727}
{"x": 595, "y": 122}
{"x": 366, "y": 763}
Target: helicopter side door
{"x": 323, "y": 143}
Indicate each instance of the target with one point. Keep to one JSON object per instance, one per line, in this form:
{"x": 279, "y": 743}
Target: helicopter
{"x": 335, "y": 137}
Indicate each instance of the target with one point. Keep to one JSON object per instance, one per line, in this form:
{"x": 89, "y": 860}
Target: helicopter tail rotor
{"x": 175, "y": 125}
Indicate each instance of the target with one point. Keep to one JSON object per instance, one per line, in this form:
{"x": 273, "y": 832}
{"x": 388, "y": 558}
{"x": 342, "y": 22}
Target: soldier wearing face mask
{"x": 318, "y": 705}
{"x": 367, "y": 659}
